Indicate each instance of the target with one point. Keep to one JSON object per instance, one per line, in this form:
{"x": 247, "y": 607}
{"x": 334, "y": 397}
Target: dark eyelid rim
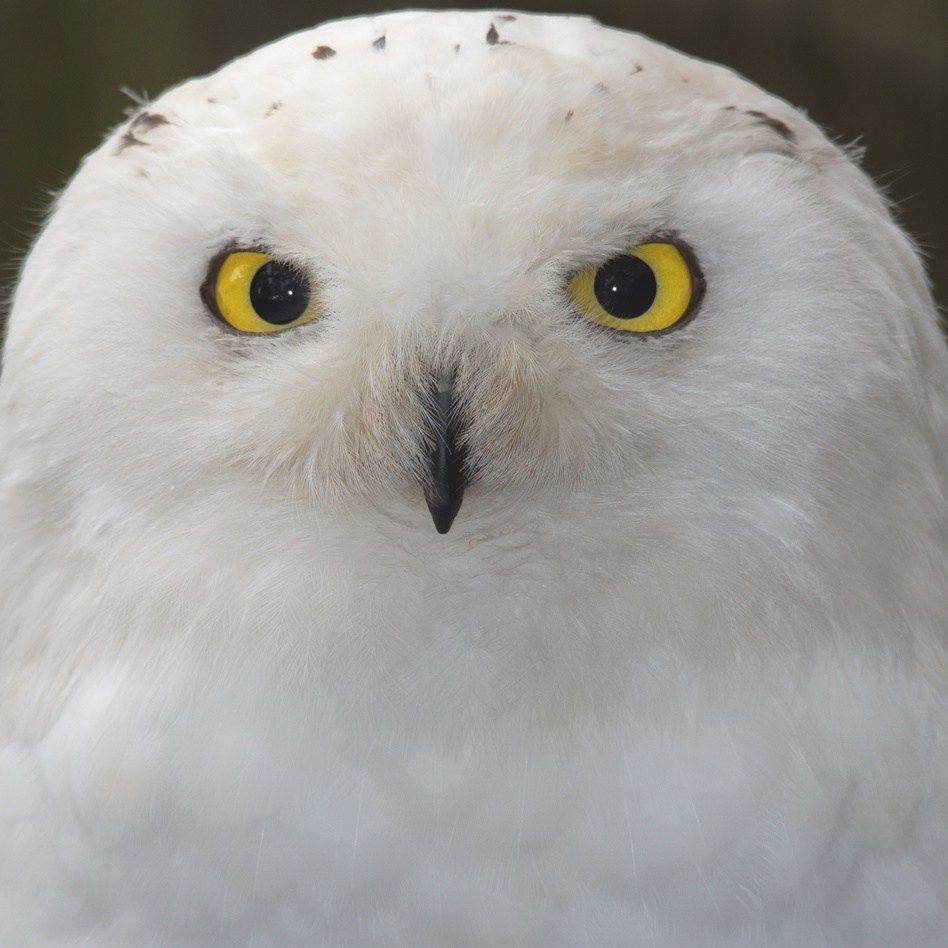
{"x": 698, "y": 287}
{"x": 698, "y": 283}
{"x": 209, "y": 298}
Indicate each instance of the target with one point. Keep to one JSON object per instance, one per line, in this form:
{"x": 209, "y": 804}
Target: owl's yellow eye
{"x": 254, "y": 293}
{"x": 648, "y": 289}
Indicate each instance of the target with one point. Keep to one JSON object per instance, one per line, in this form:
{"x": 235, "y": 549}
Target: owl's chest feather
{"x": 225, "y": 821}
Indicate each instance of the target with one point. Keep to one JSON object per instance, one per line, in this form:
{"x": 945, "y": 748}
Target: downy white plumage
{"x": 676, "y": 675}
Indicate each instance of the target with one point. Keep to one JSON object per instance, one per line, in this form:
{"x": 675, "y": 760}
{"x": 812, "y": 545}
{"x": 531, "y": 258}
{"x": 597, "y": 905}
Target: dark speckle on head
{"x": 637, "y": 70}
{"x": 211, "y": 100}
{"x": 507, "y": 17}
{"x": 379, "y": 43}
{"x": 569, "y": 115}
{"x": 143, "y": 123}
{"x": 775, "y": 125}
{"x": 273, "y": 107}
{"x": 146, "y": 121}
{"x": 127, "y": 141}
{"x": 492, "y": 35}
{"x": 323, "y": 52}
{"x": 600, "y": 87}
{"x": 457, "y": 47}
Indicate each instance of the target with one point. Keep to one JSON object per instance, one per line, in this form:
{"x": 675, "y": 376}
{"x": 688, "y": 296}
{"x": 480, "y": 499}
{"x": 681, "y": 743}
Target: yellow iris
{"x": 254, "y": 292}
{"x": 648, "y": 289}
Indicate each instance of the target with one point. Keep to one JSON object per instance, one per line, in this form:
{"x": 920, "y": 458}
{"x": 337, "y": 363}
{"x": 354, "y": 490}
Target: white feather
{"x": 678, "y": 673}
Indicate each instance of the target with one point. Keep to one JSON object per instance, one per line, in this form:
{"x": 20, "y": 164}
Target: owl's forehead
{"x": 415, "y": 52}
{"x": 437, "y": 98}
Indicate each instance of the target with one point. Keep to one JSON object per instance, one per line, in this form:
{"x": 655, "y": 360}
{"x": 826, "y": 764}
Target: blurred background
{"x": 866, "y": 70}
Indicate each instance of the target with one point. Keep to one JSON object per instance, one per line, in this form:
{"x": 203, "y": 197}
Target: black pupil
{"x": 625, "y": 287}
{"x": 278, "y": 293}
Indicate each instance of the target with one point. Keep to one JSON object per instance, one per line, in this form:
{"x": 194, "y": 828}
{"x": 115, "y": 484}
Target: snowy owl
{"x": 669, "y": 667}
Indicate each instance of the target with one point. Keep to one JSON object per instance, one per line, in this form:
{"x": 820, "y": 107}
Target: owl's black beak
{"x": 445, "y": 453}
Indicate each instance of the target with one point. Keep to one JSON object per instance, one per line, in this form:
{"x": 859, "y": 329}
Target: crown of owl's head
{"x": 613, "y": 297}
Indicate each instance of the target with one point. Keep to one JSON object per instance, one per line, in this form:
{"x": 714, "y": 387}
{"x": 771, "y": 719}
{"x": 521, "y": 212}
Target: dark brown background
{"x": 873, "y": 70}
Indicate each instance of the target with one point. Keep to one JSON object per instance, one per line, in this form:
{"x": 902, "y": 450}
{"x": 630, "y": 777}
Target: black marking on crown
{"x": 379, "y": 43}
{"x": 638, "y": 68}
{"x": 323, "y": 52}
{"x": 146, "y": 121}
{"x": 768, "y": 122}
{"x": 493, "y": 37}
{"x": 126, "y": 141}
{"x": 143, "y": 123}
{"x": 273, "y": 107}
{"x": 506, "y": 17}
{"x": 775, "y": 125}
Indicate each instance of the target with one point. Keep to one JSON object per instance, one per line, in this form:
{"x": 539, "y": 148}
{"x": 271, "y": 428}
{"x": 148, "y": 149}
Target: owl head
{"x": 659, "y": 334}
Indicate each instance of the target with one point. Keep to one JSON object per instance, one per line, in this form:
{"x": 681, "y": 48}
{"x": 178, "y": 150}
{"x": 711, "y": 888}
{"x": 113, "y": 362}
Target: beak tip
{"x": 446, "y": 477}
{"x": 443, "y": 514}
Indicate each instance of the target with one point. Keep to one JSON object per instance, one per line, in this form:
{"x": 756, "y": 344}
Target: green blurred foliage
{"x": 870, "y": 70}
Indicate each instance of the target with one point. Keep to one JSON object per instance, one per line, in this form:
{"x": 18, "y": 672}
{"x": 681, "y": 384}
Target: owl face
{"x": 554, "y": 269}
{"x": 647, "y": 343}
